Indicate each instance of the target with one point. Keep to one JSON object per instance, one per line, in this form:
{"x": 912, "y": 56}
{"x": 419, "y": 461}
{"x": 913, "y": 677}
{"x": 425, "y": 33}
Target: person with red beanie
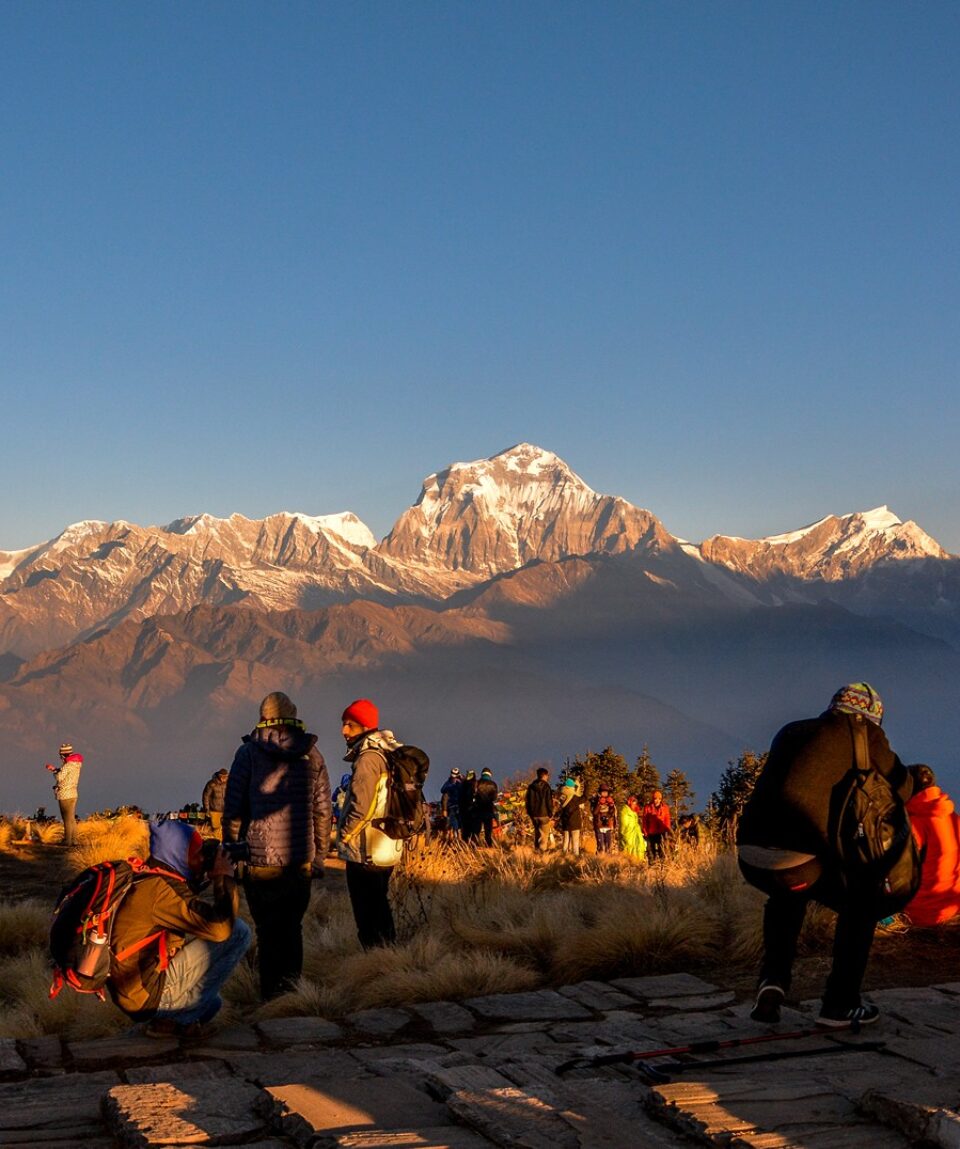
{"x": 369, "y": 854}
{"x": 936, "y": 828}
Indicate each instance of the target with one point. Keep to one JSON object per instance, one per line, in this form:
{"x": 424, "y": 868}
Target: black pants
{"x": 369, "y": 890}
{"x": 655, "y": 846}
{"x": 277, "y": 906}
{"x": 856, "y": 921}
{"x": 485, "y": 824}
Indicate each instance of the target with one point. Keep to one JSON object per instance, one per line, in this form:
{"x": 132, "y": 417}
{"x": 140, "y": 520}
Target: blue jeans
{"x": 191, "y": 990}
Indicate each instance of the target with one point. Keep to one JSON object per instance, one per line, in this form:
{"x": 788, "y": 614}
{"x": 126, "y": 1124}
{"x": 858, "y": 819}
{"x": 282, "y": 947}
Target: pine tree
{"x": 646, "y": 777}
{"x": 736, "y": 786}
{"x": 679, "y": 793}
{"x": 608, "y": 768}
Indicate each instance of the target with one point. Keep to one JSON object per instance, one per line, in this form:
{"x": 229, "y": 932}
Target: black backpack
{"x": 405, "y": 815}
{"x": 877, "y": 850}
{"x": 82, "y": 927}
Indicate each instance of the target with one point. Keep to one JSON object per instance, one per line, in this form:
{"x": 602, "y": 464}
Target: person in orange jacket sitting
{"x": 936, "y": 828}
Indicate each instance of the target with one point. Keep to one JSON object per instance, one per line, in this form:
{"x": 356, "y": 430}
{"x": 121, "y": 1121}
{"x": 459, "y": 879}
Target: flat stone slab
{"x": 445, "y": 1016}
{"x": 281, "y": 1068}
{"x": 616, "y": 1028}
{"x": 597, "y": 995}
{"x": 371, "y": 1056}
{"x": 339, "y": 1107}
{"x": 494, "y": 1045}
{"x": 87, "y": 1138}
{"x": 446, "y": 1137}
{"x": 49, "y": 1108}
{"x": 664, "y": 985}
{"x": 695, "y": 1002}
{"x": 767, "y": 1112}
{"x": 611, "y": 1115}
{"x": 446, "y": 1081}
{"x": 287, "y": 1031}
{"x": 232, "y": 1037}
{"x": 536, "y": 1005}
{"x": 43, "y": 1052}
{"x": 207, "y": 1112}
{"x": 940, "y": 1054}
{"x": 119, "y": 1051}
{"x": 920, "y": 1007}
{"x": 380, "y": 1022}
{"x": 930, "y": 1124}
{"x": 180, "y": 1073}
{"x": 510, "y": 1116}
{"x": 11, "y": 1063}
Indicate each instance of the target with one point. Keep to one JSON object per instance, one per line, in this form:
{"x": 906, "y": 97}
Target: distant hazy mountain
{"x": 512, "y": 614}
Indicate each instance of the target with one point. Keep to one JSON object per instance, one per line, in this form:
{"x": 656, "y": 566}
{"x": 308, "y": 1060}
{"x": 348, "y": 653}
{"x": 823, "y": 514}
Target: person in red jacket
{"x": 655, "y": 823}
{"x": 936, "y": 828}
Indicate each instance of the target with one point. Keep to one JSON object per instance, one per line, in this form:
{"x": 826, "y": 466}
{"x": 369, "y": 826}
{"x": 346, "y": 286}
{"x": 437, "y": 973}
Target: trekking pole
{"x": 711, "y": 1046}
{"x": 661, "y": 1074}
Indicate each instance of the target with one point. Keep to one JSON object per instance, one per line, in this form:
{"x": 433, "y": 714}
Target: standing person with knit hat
{"x": 66, "y": 790}
{"x": 485, "y": 806}
{"x": 278, "y": 801}
{"x": 369, "y": 854}
{"x": 213, "y": 797}
{"x": 788, "y": 848}
{"x": 570, "y": 816}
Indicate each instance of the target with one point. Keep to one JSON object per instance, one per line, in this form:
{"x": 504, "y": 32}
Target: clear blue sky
{"x": 296, "y": 256}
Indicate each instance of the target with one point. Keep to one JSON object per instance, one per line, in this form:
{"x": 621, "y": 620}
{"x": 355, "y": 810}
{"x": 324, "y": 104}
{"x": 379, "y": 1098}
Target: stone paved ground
{"x": 483, "y": 1073}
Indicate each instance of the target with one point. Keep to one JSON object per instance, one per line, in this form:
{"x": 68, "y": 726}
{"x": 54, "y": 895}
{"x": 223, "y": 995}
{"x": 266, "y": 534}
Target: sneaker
{"x": 766, "y": 1010}
{"x": 853, "y": 1019}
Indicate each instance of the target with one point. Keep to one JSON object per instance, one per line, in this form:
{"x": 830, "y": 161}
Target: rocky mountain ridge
{"x": 472, "y": 523}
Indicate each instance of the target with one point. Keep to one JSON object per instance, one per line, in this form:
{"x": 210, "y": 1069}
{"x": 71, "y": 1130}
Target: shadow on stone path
{"x": 483, "y": 1072}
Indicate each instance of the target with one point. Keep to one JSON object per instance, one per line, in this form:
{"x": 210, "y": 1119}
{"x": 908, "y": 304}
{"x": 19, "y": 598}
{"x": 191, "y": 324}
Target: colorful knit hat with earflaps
{"x": 858, "y": 698}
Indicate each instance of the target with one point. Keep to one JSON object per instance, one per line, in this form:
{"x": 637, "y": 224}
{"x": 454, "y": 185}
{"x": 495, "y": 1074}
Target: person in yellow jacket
{"x": 632, "y": 841}
{"x": 370, "y": 854}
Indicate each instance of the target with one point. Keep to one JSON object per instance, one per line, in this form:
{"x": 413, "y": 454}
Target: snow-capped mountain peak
{"x": 493, "y": 515}
{"x": 835, "y": 547}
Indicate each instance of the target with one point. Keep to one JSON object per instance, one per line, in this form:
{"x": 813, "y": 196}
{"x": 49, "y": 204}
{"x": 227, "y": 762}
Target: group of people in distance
{"x": 467, "y": 805}
{"x": 173, "y": 948}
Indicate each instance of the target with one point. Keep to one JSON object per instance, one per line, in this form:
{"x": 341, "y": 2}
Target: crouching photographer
{"x": 176, "y": 949}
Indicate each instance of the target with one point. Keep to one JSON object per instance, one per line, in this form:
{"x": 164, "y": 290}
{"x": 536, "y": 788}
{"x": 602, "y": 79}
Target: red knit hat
{"x": 364, "y": 712}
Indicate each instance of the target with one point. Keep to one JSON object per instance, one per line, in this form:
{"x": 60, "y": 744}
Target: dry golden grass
{"x": 470, "y": 922}
{"x": 106, "y": 839}
{"x": 24, "y": 925}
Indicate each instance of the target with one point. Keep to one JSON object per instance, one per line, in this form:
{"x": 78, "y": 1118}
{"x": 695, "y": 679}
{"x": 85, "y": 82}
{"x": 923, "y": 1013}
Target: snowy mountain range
{"x": 472, "y": 522}
{"x": 509, "y": 588}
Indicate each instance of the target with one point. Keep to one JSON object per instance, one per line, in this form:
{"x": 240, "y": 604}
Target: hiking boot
{"x": 161, "y": 1027}
{"x": 766, "y": 1009}
{"x": 192, "y": 1032}
{"x": 853, "y": 1019}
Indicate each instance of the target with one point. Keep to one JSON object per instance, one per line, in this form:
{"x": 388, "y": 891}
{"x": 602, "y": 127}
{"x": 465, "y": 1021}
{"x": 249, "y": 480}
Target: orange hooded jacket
{"x": 936, "y": 828}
